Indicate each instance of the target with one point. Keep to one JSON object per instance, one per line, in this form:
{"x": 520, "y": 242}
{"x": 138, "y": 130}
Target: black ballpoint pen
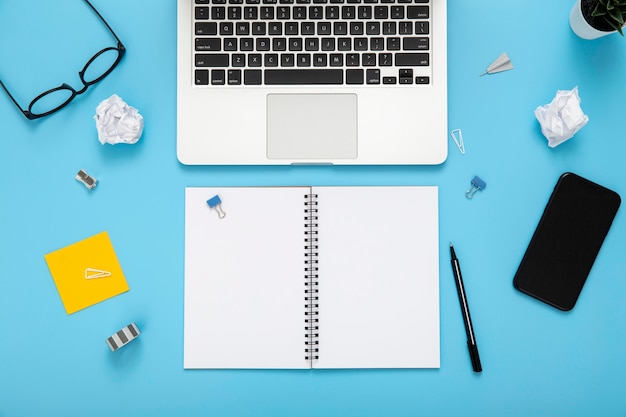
{"x": 471, "y": 339}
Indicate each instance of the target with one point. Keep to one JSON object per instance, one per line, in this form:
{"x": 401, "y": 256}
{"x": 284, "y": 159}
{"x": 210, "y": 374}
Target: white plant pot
{"x": 580, "y": 26}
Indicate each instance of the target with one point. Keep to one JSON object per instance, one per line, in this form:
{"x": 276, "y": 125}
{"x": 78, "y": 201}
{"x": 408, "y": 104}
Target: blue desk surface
{"x": 537, "y": 361}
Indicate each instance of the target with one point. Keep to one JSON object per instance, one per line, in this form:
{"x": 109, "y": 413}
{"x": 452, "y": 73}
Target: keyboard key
{"x": 295, "y": 44}
{"x": 299, "y": 12}
{"x": 202, "y": 77}
{"x": 259, "y": 28}
{"x": 230, "y": 44}
{"x": 239, "y": 60}
{"x": 218, "y": 13}
{"x": 365, "y": 12}
{"x": 348, "y": 12}
{"x": 267, "y": 13}
{"x": 381, "y": 12}
{"x": 283, "y": 13}
{"x": 356, "y": 28}
{"x": 377, "y": 44}
{"x": 303, "y": 76}
{"x": 287, "y": 60}
{"x": 320, "y": 60}
{"x": 417, "y": 12}
{"x": 206, "y": 28}
{"x": 412, "y": 59}
{"x": 246, "y": 44}
{"x": 360, "y": 44}
{"x": 234, "y": 12}
{"x": 385, "y": 59}
{"x": 250, "y": 13}
{"x": 328, "y": 44}
{"x": 372, "y": 76}
{"x": 212, "y": 60}
{"x": 208, "y": 44}
{"x": 415, "y": 44}
{"x": 340, "y": 28}
{"x": 202, "y": 13}
{"x": 271, "y": 60}
{"x": 218, "y": 77}
{"x": 332, "y": 12}
{"x": 354, "y": 76}
{"x": 405, "y": 28}
{"x": 252, "y": 77}
{"x": 336, "y": 60}
{"x": 316, "y": 13}
{"x": 393, "y": 44}
{"x": 234, "y": 77}
{"x": 353, "y": 60}
{"x": 275, "y": 28}
{"x": 242, "y": 28}
{"x": 390, "y": 80}
{"x": 279, "y": 44}
{"x": 372, "y": 28}
{"x": 263, "y": 44}
{"x": 303, "y": 60}
{"x": 422, "y": 28}
{"x": 226, "y": 28}
{"x": 422, "y": 80}
{"x": 368, "y": 60}
{"x": 389, "y": 28}
{"x": 254, "y": 60}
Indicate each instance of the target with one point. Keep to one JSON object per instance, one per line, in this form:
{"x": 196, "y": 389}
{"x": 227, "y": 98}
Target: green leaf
{"x": 598, "y": 11}
{"x": 616, "y": 14}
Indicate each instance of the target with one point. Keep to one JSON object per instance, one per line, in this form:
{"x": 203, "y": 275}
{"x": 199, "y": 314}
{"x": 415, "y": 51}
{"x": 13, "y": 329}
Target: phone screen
{"x": 567, "y": 240}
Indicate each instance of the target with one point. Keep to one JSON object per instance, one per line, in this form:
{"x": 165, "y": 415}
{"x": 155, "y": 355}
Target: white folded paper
{"x": 117, "y": 122}
{"x": 562, "y": 118}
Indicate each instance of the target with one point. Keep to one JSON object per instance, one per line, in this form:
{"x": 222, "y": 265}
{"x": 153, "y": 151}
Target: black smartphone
{"x": 567, "y": 240}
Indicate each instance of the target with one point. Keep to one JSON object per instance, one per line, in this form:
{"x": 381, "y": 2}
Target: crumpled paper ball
{"x": 117, "y": 122}
{"x": 562, "y": 118}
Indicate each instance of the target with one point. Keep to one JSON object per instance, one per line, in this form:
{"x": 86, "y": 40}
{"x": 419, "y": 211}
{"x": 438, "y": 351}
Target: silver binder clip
{"x": 477, "y": 184}
{"x": 216, "y": 203}
{"x": 457, "y": 137}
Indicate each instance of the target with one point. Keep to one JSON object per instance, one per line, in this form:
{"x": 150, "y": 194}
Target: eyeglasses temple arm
{"x": 26, "y": 113}
{"x": 105, "y": 22}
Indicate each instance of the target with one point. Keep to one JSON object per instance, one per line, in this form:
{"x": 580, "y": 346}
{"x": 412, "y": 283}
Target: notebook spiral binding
{"x": 311, "y": 296}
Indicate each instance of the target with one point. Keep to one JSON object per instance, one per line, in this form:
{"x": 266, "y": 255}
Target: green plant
{"x": 612, "y": 12}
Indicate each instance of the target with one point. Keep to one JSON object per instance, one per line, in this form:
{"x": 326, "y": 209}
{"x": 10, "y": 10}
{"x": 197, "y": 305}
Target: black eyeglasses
{"x": 98, "y": 67}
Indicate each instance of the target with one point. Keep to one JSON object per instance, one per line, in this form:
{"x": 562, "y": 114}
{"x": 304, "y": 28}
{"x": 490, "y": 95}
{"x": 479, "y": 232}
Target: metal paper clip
{"x": 477, "y": 184}
{"x": 458, "y": 140}
{"x": 216, "y": 203}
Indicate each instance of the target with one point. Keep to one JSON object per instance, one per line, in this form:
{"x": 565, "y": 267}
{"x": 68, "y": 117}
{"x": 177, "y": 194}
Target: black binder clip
{"x": 216, "y": 203}
{"x": 477, "y": 184}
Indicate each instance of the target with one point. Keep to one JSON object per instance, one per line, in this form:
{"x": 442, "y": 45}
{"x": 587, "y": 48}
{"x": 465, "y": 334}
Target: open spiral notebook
{"x": 312, "y": 277}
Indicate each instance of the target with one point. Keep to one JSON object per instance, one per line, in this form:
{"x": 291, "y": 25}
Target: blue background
{"x": 537, "y": 361}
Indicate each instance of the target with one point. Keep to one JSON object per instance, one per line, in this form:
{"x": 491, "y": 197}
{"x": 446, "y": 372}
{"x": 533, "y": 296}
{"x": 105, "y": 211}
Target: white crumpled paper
{"x": 562, "y": 118}
{"x": 117, "y": 122}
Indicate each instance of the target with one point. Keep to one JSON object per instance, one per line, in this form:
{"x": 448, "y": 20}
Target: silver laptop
{"x": 312, "y": 82}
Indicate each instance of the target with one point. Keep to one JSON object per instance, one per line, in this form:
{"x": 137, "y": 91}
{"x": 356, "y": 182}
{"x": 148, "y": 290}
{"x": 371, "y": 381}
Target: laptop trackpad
{"x": 311, "y": 126}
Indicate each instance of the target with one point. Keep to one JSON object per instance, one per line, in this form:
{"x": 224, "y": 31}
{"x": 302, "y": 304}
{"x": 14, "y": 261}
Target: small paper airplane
{"x": 91, "y": 273}
{"x": 503, "y": 63}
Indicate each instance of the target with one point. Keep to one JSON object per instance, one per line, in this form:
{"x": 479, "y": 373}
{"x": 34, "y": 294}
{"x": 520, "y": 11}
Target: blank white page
{"x": 244, "y": 278}
{"x": 378, "y": 277}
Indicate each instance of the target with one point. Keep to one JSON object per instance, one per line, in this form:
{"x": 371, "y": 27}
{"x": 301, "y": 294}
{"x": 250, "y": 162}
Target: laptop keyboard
{"x": 312, "y": 42}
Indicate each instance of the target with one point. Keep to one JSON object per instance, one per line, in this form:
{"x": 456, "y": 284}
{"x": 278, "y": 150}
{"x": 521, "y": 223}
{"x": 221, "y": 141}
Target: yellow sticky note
{"x": 86, "y": 272}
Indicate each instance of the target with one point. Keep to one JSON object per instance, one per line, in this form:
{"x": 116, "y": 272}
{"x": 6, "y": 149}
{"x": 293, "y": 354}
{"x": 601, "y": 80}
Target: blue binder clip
{"x": 477, "y": 184}
{"x": 216, "y": 203}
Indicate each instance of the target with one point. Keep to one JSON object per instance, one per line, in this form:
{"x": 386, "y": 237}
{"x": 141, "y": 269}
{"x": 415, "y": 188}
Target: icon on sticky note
{"x": 86, "y": 272}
